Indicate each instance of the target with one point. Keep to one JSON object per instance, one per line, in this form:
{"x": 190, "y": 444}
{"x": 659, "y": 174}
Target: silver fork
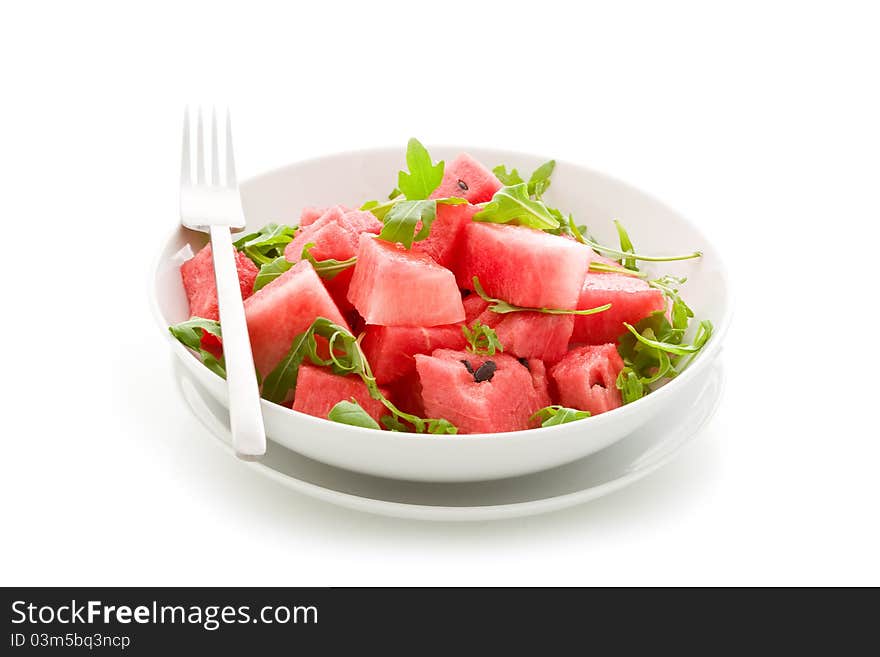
{"x": 215, "y": 208}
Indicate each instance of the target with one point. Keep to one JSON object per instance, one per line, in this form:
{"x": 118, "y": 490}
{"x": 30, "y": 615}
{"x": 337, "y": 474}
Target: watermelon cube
{"x": 540, "y": 383}
{"x": 586, "y": 378}
{"x": 534, "y": 335}
{"x": 393, "y": 286}
{"x": 283, "y": 309}
{"x": 631, "y": 299}
{"x": 523, "y": 334}
{"x": 481, "y": 394}
{"x": 464, "y": 177}
{"x": 406, "y": 394}
{"x": 318, "y": 390}
{"x": 474, "y": 306}
{"x": 335, "y": 235}
{"x": 201, "y": 287}
{"x": 523, "y": 266}
{"x": 390, "y": 349}
{"x": 338, "y": 289}
{"x": 310, "y": 215}
{"x": 443, "y": 240}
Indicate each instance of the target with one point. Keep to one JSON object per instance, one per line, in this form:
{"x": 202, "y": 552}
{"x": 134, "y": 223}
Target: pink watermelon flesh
{"x": 541, "y": 384}
{"x": 283, "y": 309}
{"x": 523, "y": 266}
{"x": 212, "y": 344}
{"x": 335, "y": 235}
{"x": 586, "y": 378}
{"x": 201, "y": 288}
{"x": 474, "y": 306}
{"x": 338, "y": 289}
{"x": 310, "y": 215}
{"x": 318, "y": 390}
{"x": 464, "y": 177}
{"x": 532, "y": 335}
{"x": 443, "y": 241}
{"x": 631, "y": 300}
{"x": 393, "y": 286}
{"x": 390, "y": 349}
{"x": 406, "y": 394}
{"x": 504, "y": 403}
{"x": 524, "y": 334}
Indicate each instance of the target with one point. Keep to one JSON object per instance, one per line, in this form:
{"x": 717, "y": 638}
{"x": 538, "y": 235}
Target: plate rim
{"x": 481, "y": 513}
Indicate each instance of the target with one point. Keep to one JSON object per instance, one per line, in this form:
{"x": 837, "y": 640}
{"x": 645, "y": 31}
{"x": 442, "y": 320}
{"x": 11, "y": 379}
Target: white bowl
{"x": 351, "y": 178}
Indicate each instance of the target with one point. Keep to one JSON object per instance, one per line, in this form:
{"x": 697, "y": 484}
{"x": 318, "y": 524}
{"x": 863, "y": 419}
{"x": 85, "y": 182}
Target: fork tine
{"x": 215, "y": 151}
{"x": 230, "y": 159}
{"x": 200, "y": 151}
{"x": 185, "y": 171}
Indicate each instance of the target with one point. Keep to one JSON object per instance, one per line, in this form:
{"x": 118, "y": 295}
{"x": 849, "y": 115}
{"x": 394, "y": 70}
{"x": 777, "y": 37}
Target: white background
{"x": 760, "y": 121}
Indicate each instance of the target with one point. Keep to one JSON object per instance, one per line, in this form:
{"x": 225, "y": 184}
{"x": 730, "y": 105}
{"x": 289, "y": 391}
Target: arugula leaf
{"x": 345, "y": 357}
{"x": 630, "y": 385}
{"x": 244, "y": 239}
{"x": 423, "y": 177}
{"x": 352, "y": 413}
{"x": 391, "y": 423}
{"x": 651, "y": 350}
{"x": 572, "y": 228}
{"x": 673, "y": 347}
{"x": 553, "y": 415}
{"x": 379, "y": 210}
{"x": 270, "y": 271}
{"x": 704, "y": 332}
{"x": 441, "y": 426}
{"x": 405, "y": 217}
{"x": 538, "y": 182}
{"x": 679, "y": 310}
{"x": 540, "y": 179}
{"x": 190, "y": 335}
{"x": 613, "y": 269}
{"x": 190, "y": 332}
{"x": 626, "y": 246}
{"x": 655, "y": 327}
{"x": 511, "y": 205}
{"x": 482, "y": 339}
{"x": 502, "y": 307}
{"x": 282, "y": 379}
{"x": 627, "y": 251}
{"x": 267, "y": 244}
{"x": 327, "y": 269}
{"x": 436, "y": 425}
{"x": 577, "y": 233}
{"x": 507, "y": 178}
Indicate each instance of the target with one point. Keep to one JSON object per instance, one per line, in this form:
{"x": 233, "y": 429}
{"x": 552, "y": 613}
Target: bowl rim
{"x": 703, "y": 360}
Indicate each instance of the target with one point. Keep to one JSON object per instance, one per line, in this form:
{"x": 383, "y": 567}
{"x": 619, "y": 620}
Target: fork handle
{"x": 245, "y": 416}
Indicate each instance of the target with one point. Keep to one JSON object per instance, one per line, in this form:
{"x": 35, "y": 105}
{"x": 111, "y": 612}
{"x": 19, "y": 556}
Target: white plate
{"x": 594, "y": 199}
{"x": 611, "y": 469}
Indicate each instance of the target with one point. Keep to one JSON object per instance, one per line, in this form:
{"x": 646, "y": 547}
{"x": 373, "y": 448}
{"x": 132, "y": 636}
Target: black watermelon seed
{"x": 468, "y": 366}
{"x": 485, "y": 372}
{"x": 462, "y": 185}
{"x": 524, "y": 362}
